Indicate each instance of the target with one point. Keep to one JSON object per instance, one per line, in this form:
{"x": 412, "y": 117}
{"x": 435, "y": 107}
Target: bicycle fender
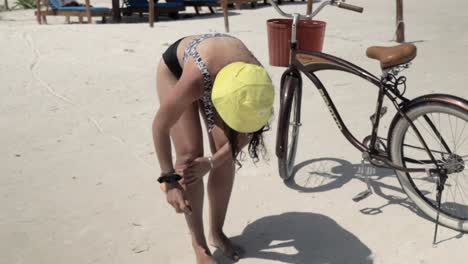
{"x": 286, "y": 95}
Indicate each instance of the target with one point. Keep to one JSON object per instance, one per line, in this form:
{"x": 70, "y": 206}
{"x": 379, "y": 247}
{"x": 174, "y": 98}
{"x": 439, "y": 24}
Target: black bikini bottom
{"x": 170, "y": 58}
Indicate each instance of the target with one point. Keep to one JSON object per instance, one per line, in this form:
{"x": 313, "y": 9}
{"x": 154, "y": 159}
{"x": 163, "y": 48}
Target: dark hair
{"x": 255, "y": 148}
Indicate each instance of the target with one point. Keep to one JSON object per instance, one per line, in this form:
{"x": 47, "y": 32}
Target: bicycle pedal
{"x": 383, "y": 111}
{"x": 362, "y": 195}
{"x": 371, "y": 211}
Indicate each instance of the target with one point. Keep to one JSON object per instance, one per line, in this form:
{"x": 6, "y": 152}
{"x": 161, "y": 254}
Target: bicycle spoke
{"x": 462, "y": 191}
{"x": 461, "y": 133}
{"x": 412, "y": 160}
{"x": 440, "y": 136}
{"x": 435, "y": 134}
{"x": 421, "y": 147}
{"x": 455, "y": 137}
{"x": 464, "y": 140}
{"x": 431, "y": 134}
{"x": 451, "y": 129}
{"x": 462, "y": 194}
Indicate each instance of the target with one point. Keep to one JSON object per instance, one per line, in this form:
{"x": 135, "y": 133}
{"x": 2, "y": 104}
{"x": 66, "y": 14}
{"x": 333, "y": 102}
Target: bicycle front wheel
{"x": 288, "y": 127}
{"x": 443, "y": 126}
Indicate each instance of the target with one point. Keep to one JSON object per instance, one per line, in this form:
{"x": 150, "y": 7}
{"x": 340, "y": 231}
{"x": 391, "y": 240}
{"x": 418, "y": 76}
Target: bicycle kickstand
{"x": 441, "y": 179}
{"x": 365, "y": 172}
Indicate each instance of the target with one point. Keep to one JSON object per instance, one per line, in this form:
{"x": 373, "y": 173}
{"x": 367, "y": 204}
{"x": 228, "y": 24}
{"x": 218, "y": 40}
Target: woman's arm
{"x": 187, "y": 90}
{"x": 202, "y": 165}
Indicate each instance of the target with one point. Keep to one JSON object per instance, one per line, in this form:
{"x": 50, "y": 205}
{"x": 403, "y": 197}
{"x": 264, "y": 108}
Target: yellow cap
{"x": 243, "y": 96}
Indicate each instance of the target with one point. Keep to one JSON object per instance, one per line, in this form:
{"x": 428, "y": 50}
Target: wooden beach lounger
{"x": 197, "y": 4}
{"x": 142, "y": 6}
{"x": 54, "y": 8}
{"x": 211, "y": 3}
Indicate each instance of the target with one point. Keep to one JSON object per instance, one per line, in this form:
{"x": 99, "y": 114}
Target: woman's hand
{"x": 175, "y": 197}
{"x": 195, "y": 170}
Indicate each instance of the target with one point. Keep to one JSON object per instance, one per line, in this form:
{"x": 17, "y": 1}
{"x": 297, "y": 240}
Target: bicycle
{"x": 418, "y": 146}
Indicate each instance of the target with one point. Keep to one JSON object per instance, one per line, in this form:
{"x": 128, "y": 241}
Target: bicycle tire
{"x": 407, "y": 151}
{"x": 290, "y": 109}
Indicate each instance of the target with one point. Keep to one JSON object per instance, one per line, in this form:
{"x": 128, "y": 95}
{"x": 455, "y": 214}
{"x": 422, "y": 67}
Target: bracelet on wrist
{"x": 210, "y": 159}
{"x": 169, "y": 178}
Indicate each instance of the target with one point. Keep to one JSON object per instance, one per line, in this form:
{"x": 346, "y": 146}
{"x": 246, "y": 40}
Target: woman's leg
{"x": 187, "y": 139}
{"x": 220, "y": 184}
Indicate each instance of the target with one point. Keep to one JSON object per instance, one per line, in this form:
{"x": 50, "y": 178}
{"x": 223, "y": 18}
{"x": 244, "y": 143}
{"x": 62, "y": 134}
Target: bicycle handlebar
{"x": 350, "y": 7}
{"x": 338, "y": 3}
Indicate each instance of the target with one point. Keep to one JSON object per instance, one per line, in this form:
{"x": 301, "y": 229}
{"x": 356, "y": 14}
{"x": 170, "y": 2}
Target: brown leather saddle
{"x": 392, "y": 56}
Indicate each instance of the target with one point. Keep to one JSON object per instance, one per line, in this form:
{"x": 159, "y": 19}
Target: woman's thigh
{"x": 186, "y": 134}
{"x": 217, "y": 137}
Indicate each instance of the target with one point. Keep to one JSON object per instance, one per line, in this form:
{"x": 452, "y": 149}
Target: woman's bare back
{"x": 218, "y": 52}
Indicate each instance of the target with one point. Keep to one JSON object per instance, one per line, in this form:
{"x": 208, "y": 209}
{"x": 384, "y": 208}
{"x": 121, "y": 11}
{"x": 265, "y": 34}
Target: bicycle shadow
{"x": 298, "y": 237}
{"x": 333, "y": 175}
{"x": 337, "y": 172}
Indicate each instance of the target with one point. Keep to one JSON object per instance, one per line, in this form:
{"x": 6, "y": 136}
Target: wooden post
{"x": 88, "y": 11}
{"x": 6, "y": 5}
{"x": 225, "y": 11}
{"x": 400, "y": 25}
{"x": 116, "y": 10}
{"x": 38, "y": 11}
{"x": 151, "y": 13}
{"x": 309, "y": 6}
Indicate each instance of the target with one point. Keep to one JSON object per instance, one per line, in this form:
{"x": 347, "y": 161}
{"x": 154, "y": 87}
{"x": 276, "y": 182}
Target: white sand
{"x": 78, "y": 170}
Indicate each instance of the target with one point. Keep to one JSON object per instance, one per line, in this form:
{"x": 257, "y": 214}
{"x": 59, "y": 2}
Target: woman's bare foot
{"x": 203, "y": 255}
{"x": 229, "y": 249}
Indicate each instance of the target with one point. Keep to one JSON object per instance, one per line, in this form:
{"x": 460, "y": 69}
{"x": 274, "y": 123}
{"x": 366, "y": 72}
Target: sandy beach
{"x": 77, "y": 164}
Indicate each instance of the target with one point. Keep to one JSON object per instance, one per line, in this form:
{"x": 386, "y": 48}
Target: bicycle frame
{"x": 309, "y": 62}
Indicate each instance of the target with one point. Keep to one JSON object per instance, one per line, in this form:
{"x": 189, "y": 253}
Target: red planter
{"x": 310, "y": 35}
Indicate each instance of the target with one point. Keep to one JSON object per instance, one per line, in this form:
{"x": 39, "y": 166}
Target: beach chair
{"x": 198, "y": 4}
{"x": 54, "y": 8}
{"x": 280, "y": 2}
{"x": 142, "y": 6}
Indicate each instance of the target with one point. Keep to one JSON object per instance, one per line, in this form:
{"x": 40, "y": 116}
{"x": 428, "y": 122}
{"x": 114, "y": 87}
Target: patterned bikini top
{"x": 191, "y": 50}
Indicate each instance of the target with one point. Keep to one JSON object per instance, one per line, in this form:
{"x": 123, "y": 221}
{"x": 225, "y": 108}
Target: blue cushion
{"x": 172, "y": 4}
{"x": 138, "y": 3}
{"x": 56, "y": 5}
{"x": 83, "y": 8}
{"x": 205, "y": 1}
{"x": 144, "y": 3}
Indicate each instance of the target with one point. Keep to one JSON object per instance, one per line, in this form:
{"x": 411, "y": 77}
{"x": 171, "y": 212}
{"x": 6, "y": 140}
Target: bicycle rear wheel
{"x": 288, "y": 126}
{"x": 443, "y": 126}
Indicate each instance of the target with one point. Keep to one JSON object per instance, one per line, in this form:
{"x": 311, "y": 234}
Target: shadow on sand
{"x": 298, "y": 237}
{"x": 324, "y": 174}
